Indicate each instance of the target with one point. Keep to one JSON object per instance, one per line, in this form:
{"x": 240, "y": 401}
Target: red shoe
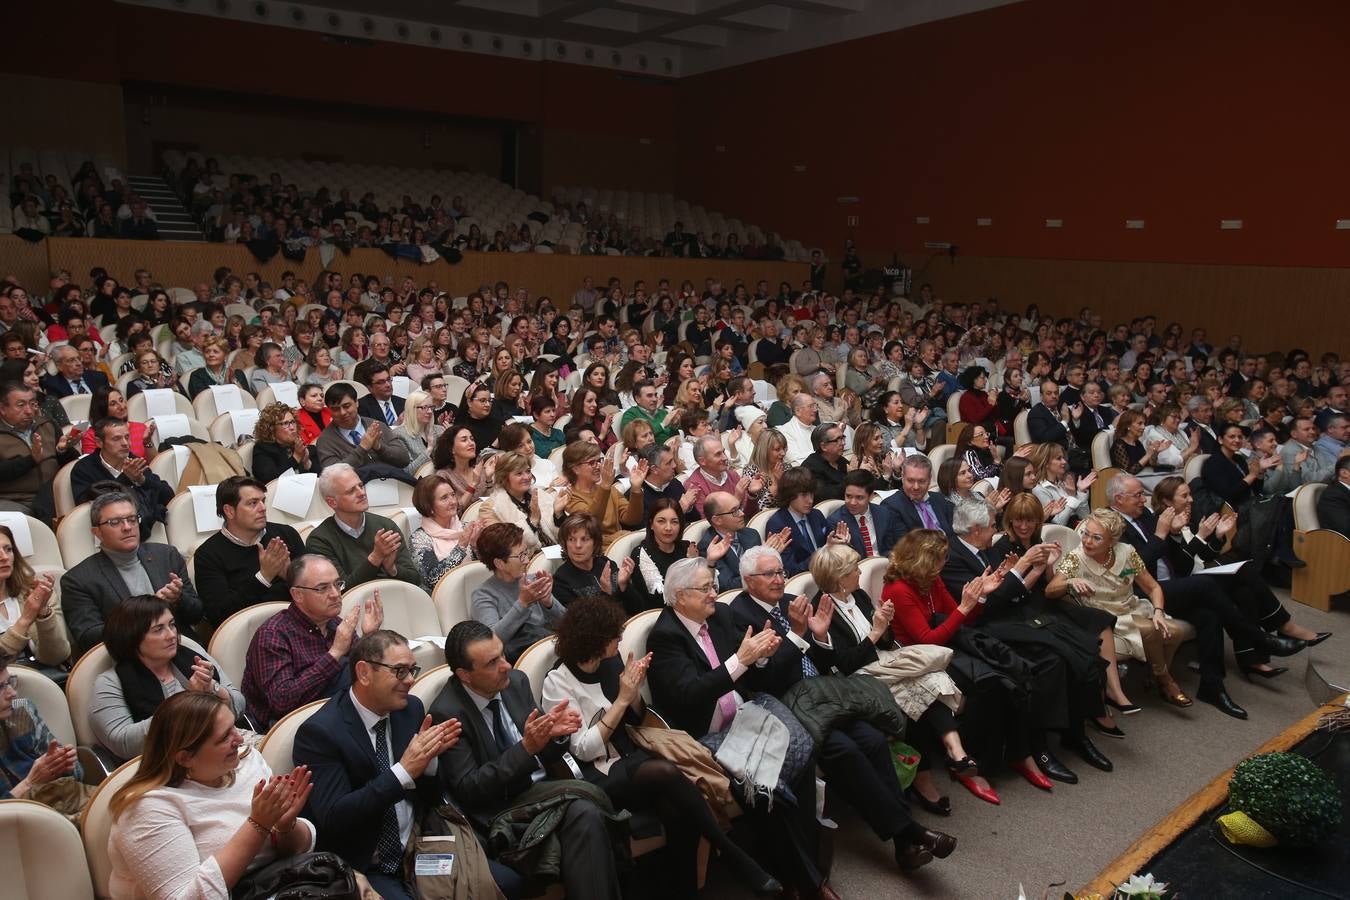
{"x": 962, "y": 771}
{"x": 1032, "y": 774}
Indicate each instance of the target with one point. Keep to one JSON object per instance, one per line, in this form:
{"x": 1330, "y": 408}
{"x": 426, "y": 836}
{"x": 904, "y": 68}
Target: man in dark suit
{"x": 1089, "y": 417}
{"x": 1201, "y": 413}
{"x": 373, "y": 756}
{"x": 854, "y": 754}
{"x": 1043, "y": 420}
{"x": 112, "y": 461}
{"x": 804, "y": 523}
{"x": 71, "y": 378}
{"x": 827, "y": 463}
{"x": 123, "y": 567}
{"x": 662, "y": 483}
{"x": 914, "y": 506}
{"x": 1333, "y": 507}
{"x": 1199, "y": 599}
{"x": 727, "y": 538}
{"x": 867, "y": 522}
{"x": 699, "y": 660}
{"x": 506, "y": 745}
{"x": 380, "y": 404}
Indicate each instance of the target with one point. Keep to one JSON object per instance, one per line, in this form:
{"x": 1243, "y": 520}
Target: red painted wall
{"x": 1176, "y": 113}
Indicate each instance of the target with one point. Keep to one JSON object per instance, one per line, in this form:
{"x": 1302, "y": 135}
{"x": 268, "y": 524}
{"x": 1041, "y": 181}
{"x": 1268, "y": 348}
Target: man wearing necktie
{"x": 914, "y": 505}
{"x": 867, "y": 522}
{"x": 381, "y": 404}
{"x": 854, "y": 754}
{"x": 1088, "y": 417}
{"x": 355, "y": 440}
{"x": 71, "y": 377}
{"x": 799, "y": 517}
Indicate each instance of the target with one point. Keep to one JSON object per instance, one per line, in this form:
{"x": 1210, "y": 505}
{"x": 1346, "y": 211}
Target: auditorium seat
{"x": 536, "y": 661}
{"x": 276, "y": 747}
{"x": 624, "y": 544}
{"x": 41, "y": 854}
{"x": 29, "y": 531}
{"x": 451, "y": 597}
{"x": 1326, "y": 552}
{"x": 760, "y": 521}
{"x": 230, "y": 641}
{"x": 431, "y": 682}
{"x": 408, "y": 610}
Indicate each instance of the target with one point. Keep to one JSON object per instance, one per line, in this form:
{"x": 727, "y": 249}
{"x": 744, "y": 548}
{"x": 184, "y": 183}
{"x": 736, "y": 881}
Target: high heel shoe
{"x": 1032, "y": 774}
{"x": 1170, "y": 691}
{"x": 1125, "y": 709}
{"x": 961, "y": 770}
{"x": 758, "y": 880}
{"x": 1249, "y": 671}
{"x": 1321, "y": 636}
{"x": 942, "y": 806}
{"x": 1113, "y": 731}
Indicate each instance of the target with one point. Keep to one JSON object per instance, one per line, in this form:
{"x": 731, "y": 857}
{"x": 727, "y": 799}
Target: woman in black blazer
{"x": 857, "y": 631}
{"x": 278, "y": 446}
{"x": 1232, "y": 476}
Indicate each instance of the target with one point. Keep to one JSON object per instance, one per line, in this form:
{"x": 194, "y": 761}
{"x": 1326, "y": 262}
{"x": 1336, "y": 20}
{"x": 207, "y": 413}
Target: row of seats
{"x": 61, "y": 163}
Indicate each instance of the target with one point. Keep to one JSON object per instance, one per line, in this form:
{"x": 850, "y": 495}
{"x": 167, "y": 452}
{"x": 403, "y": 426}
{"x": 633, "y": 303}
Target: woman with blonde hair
{"x": 767, "y": 460}
{"x": 419, "y": 431}
{"x": 424, "y": 362}
{"x": 1103, "y": 573}
{"x": 1059, "y": 491}
{"x": 860, "y": 632}
{"x": 590, "y": 489}
{"x": 278, "y": 445}
{"x": 789, "y": 386}
{"x": 514, "y": 499}
{"x": 871, "y": 454}
{"x": 202, "y": 810}
{"x": 215, "y": 353}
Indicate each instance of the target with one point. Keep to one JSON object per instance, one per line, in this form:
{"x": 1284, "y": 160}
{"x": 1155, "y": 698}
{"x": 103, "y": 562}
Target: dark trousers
{"x": 1200, "y": 600}
{"x": 1258, "y": 603}
{"x": 857, "y": 764}
{"x": 588, "y": 859}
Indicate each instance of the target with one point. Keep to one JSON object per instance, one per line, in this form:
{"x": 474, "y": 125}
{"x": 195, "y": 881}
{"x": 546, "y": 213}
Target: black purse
{"x": 305, "y": 876}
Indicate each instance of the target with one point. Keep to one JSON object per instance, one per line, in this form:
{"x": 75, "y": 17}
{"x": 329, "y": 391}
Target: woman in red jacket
{"x": 976, "y": 404}
{"x": 925, "y": 613}
{"x": 312, "y": 416}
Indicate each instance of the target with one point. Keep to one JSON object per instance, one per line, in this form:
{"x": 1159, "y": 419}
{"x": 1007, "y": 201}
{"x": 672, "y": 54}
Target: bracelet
{"x": 258, "y": 825}
{"x": 276, "y": 830}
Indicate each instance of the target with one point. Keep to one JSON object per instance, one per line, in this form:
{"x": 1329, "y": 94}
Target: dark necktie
{"x": 499, "y": 730}
{"x": 809, "y": 669}
{"x": 355, "y": 435}
{"x": 388, "y": 847}
{"x": 806, "y": 530}
{"x": 80, "y": 387}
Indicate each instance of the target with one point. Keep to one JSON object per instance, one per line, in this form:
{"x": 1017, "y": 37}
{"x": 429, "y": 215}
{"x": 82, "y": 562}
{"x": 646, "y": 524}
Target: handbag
{"x": 305, "y": 876}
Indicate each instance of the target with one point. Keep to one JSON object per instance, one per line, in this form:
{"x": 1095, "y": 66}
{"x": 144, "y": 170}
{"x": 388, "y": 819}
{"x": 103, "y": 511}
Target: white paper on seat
{"x": 436, "y": 639}
{"x": 294, "y": 493}
{"x": 227, "y": 397}
{"x": 414, "y": 518}
{"x": 553, "y": 551}
{"x": 287, "y": 392}
{"x": 882, "y": 495}
{"x": 993, "y": 482}
{"x": 243, "y": 421}
{"x": 524, "y": 420}
{"x": 172, "y": 425}
{"x": 382, "y": 492}
{"x": 160, "y": 402}
{"x": 402, "y": 385}
{"x": 181, "y": 455}
{"x": 204, "y": 507}
{"x": 17, "y": 523}
{"x": 1230, "y": 569}
{"x": 764, "y": 395}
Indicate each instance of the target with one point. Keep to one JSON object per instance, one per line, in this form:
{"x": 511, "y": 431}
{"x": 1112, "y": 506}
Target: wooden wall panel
{"x": 26, "y": 262}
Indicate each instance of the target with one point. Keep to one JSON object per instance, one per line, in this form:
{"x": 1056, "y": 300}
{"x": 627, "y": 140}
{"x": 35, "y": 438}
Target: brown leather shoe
{"x": 912, "y": 857}
{"x": 938, "y": 843}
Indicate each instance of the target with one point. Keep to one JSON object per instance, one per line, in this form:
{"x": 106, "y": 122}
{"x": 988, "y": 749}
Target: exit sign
{"x": 852, "y": 222}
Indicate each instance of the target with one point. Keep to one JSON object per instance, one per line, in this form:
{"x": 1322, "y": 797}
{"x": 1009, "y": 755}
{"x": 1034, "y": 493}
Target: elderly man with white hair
{"x": 854, "y": 756}
{"x": 700, "y": 663}
{"x": 798, "y": 429}
{"x": 362, "y": 545}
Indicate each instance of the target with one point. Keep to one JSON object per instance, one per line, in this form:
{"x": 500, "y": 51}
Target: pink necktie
{"x": 726, "y": 702}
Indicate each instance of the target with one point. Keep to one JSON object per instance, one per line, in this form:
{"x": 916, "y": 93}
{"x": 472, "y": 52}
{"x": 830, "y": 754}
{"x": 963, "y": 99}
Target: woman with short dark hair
{"x": 585, "y": 569}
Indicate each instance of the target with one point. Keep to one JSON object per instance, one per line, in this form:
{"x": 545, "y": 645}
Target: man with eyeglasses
{"x": 724, "y": 542}
{"x": 827, "y": 463}
{"x": 854, "y": 755}
{"x": 123, "y": 567}
{"x": 113, "y": 461}
{"x": 32, "y": 450}
{"x": 444, "y": 412}
{"x": 380, "y": 404}
{"x": 300, "y": 654}
{"x": 374, "y": 754}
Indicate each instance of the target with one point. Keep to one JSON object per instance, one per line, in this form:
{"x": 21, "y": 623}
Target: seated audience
{"x": 111, "y": 404}
{"x": 514, "y": 498}
{"x": 203, "y": 810}
{"x": 149, "y": 666}
{"x": 975, "y": 448}
{"x": 33, "y": 763}
{"x": 1333, "y": 507}
{"x": 442, "y": 541}
{"x": 1129, "y": 453}
{"x": 113, "y": 462}
{"x": 364, "y": 546}
{"x": 914, "y": 505}
{"x": 1043, "y": 422}
{"x": 313, "y": 416}
{"x": 714, "y": 472}
{"x": 150, "y": 375}
{"x": 31, "y": 453}
{"x": 591, "y": 489}
{"x": 606, "y": 691}
{"x": 585, "y": 570}
{"x": 660, "y": 548}
{"x": 1063, "y": 495}
{"x": 827, "y": 464}
{"x": 804, "y": 523}
{"x": 418, "y": 431}
{"x": 300, "y": 654}
{"x": 506, "y": 747}
{"x": 353, "y": 439}
{"x": 216, "y": 370}
{"x": 728, "y": 537}
{"x": 70, "y": 377}
{"x": 867, "y": 522}
{"x": 245, "y": 562}
{"x": 32, "y": 626}
{"x": 122, "y": 567}
{"x": 518, "y": 607}
{"x": 798, "y": 429}
{"x": 278, "y": 448}
{"x": 381, "y": 404}
{"x": 766, "y": 464}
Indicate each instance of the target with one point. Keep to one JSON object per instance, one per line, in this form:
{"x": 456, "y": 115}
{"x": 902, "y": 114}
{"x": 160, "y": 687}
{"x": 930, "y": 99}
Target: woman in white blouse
{"x": 607, "y": 694}
{"x": 1063, "y": 498}
{"x": 202, "y": 811}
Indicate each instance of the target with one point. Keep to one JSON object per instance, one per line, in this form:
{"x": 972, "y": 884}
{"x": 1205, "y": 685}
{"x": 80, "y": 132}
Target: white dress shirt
{"x": 403, "y": 808}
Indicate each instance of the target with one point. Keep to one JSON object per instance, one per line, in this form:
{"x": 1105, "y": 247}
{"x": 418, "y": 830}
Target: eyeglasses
{"x": 705, "y": 590}
{"x": 286, "y": 423}
{"x": 401, "y": 673}
{"x": 773, "y": 573}
{"x": 735, "y": 511}
{"x": 1090, "y": 538}
{"x": 833, "y": 440}
{"x": 325, "y": 588}
{"x": 522, "y": 556}
{"x": 11, "y": 682}
{"x": 121, "y": 521}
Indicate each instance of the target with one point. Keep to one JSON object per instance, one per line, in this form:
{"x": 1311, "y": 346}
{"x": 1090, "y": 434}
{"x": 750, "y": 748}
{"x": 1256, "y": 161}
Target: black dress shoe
{"x": 1053, "y": 768}
{"x": 912, "y": 856}
{"x": 937, "y": 843}
{"x": 1321, "y": 636}
{"x": 1279, "y": 645}
{"x": 1218, "y": 697}
{"x": 942, "y": 806}
{"x": 1249, "y": 671}
{"x": 1090, "y": 754}
{"x": 1112, "y": 732}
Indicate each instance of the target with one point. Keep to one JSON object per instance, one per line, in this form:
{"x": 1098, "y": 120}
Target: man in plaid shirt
{"x": 300, "y": 654}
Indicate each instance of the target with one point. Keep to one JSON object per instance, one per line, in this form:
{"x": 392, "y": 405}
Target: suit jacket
{"x": 1208, "y": 442}
{"x": 1085, "y": 429}
{"x": 57, "y": 386}
{"x": 1333, "y": 508}
{"x": 905, "y": 517}
{"x": 1151, "y": 547}
{"x": 350, "y": 792}
{"x": 829, "y": 478}
{"x": 369, "y": 407}
{"x": 881, "y": 526}
{"x": 784, "y": 668}
{"x": 850, "y": 653}
{"x": 797, "y": 555}
{"x": 1045, "y": 427}
{"x": 152, "y": 495}
{"x": 685, "y": 686}
{"x": 962, "y": 567}
{"x": 482, "y": 780}
{"x": 729, "y": 566}
{"x": 333, "y": 447}
{"x": 93, "y": 587}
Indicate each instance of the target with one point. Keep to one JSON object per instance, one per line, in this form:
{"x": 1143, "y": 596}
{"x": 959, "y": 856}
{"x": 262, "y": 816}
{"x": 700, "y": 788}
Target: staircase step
{"x": 175, "y": 223}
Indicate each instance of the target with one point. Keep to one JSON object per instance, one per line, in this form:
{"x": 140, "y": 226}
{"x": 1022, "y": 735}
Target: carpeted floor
{"x": 1067, "y": 837}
